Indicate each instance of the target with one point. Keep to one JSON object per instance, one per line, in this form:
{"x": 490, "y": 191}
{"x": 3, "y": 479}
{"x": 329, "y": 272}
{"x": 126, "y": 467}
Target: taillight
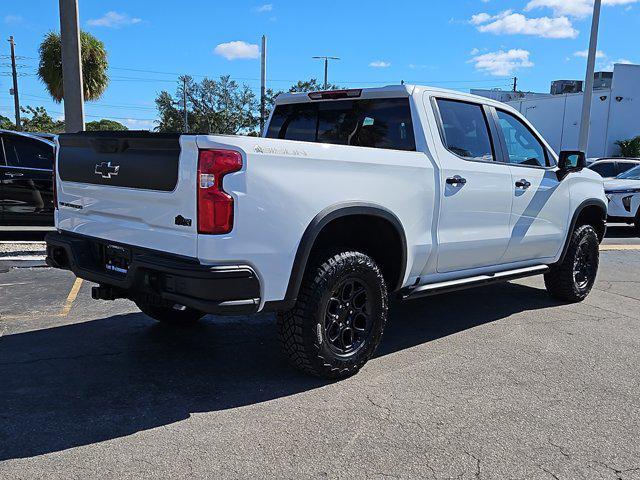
{"x": 215, "y": 206}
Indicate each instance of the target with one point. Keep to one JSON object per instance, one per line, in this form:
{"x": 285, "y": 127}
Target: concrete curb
{"x": 22, "y": 262}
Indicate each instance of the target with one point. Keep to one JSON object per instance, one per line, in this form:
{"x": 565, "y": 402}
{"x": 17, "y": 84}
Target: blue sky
{"x": 456, "y": 44}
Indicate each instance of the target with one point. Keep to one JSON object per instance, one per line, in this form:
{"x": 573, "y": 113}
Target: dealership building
{"x": 615, "y": 111}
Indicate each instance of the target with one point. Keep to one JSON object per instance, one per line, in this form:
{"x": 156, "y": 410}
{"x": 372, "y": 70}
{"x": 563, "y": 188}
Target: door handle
{"x": 12, "y": 175}
{"x": 523, "y": 184}
{"x": 456, "y": 180}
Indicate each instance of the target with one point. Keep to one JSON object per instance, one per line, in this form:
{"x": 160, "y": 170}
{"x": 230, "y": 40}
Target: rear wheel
{"x": 337, "y": 321}
{"x": 170, "y": 314}
{"x": 573, "y": 279}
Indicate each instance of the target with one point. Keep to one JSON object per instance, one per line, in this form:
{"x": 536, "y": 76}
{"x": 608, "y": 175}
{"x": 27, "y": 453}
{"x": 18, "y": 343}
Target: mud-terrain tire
{"x": 572, "y": 280}
{"x": 338, "y": 319}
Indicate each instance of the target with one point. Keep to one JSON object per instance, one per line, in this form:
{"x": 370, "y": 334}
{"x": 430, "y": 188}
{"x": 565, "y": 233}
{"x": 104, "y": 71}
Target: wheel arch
{"x": 319, "y": 224}
{"x": 590, "y": 212}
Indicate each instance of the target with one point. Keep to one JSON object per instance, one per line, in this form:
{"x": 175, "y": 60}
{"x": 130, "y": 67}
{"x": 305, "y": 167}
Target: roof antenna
{"x": 401, "y": 82}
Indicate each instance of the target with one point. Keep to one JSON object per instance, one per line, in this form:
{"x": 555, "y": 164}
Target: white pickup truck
{"x": 349, "y": 198}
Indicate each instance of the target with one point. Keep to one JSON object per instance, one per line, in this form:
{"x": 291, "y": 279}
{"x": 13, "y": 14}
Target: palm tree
{"x": 94, "y": 66}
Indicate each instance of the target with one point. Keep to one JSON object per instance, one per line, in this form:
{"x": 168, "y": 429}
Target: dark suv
{"x": 26, "y": 179}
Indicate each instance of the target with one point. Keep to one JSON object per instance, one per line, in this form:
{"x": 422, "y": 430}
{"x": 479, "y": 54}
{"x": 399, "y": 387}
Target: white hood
{"x": 621, "y": 184}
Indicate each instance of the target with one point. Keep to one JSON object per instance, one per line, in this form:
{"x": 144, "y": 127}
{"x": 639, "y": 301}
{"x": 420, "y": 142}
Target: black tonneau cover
{"x": 132, "y": 159}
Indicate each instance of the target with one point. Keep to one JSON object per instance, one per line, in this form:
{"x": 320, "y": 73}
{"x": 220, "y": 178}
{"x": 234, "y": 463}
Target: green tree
{"x": 213, "y": 106}
{"x": 629, "y": 148}
{"x": 302, "y": 86}
{"x": 36, "y": 119}
{"x": 94, "y": 66}
{"x": 104, "y": 125}
{"x": 312, "y": 85}
{"x": 6, "y": 123}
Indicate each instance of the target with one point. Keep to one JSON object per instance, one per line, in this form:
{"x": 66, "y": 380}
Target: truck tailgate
{"x": 136, "y": 188}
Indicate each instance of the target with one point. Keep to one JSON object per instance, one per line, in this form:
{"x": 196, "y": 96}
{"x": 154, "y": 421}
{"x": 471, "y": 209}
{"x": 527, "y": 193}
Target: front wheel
{"x": 636, "y": 223}
{"x": 170, "y": 314}
{"x": 339, "y": 316}
{"x": 573, "y": 279}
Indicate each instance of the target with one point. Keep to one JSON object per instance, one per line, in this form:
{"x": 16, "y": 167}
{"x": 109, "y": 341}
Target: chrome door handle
{"x": 12, "y": 175}
{"x": 524, "y": 184}
{"x": 456, "y": 180}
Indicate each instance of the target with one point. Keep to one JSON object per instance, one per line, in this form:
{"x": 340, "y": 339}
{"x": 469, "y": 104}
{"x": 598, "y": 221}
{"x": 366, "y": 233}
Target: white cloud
{"x": 610, "y": 65}
{"x": 502, "y": 63}
{"x": 509, "y": 23}
{"x": 572, "y": 8}
{"x": 236, "y": 50}
{"x": 267, "y": 7}
{"x": 585, "y": 54}
{"x": 114, "y": 20}
{"x": 13, "y": 19}
{"x": 380, "y": 64}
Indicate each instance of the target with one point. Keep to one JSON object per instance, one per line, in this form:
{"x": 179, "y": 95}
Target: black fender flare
{"x": 311, "y": 233}
{"x": 587, "y": 203}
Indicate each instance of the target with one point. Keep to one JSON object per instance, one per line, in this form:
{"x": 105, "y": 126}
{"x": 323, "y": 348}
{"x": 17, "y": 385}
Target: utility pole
{"x": 515, "y": 84}
{"x": 14, "y": 91}
{"x": 583, "y": 143}
{"x": 326, "y": 68}
{"x": 71, "y": 66}
{"x": 263, "y": 84}
{"x": 184, "y": 104}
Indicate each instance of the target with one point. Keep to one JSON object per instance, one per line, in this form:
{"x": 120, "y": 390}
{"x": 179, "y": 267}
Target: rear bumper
{"x": 158, "y": 277}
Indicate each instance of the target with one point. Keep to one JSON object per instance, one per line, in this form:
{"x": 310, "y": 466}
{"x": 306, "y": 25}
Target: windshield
{"x": 633, "y": 174}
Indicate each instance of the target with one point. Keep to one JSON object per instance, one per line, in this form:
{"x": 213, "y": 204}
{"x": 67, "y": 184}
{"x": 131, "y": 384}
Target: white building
{"x": 615, "y": 113}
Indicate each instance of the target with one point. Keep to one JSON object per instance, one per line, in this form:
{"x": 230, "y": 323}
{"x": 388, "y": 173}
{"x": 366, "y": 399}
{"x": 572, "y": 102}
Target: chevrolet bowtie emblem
{"x": 106, "y": 170}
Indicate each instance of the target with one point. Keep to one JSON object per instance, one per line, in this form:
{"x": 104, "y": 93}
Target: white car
{"x": 623, "y": 194}
{"x": 350, "y": 197}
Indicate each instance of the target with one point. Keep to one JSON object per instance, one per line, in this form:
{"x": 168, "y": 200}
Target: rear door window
{"x": 27, "y": 153}
{"x": 465, "y": 130}
{"x": 375, "y": 123}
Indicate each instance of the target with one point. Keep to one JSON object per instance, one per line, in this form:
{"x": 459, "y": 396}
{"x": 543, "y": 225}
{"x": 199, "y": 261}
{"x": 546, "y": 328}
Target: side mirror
{"x": 571, "y": 161}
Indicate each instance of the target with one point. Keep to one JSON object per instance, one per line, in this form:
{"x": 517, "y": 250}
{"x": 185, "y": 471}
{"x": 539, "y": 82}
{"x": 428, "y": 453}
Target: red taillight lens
{"x": 215, "y": 206}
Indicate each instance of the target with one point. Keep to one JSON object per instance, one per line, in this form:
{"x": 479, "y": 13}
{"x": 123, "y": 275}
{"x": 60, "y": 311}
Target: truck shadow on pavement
{"x": 103, "y": 379}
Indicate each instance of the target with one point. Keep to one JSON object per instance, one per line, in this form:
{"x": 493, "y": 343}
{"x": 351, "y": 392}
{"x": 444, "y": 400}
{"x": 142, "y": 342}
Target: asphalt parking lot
{"x": 496, "y": 383}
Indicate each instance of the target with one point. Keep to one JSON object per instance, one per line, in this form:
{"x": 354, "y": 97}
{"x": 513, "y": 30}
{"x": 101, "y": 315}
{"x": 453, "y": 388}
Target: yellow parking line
{"x": 606, "y": 248}
{"x": 71, "y": 297}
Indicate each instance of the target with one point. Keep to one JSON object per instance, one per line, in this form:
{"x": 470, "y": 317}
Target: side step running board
{"x": 471, "y": 282}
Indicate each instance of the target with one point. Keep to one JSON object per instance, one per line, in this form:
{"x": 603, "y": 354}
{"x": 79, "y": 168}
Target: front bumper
{"x": 157, "y": 277}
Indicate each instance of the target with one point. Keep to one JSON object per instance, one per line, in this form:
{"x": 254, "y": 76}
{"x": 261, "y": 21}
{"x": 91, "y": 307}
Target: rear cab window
{"x": 376, "y": 123}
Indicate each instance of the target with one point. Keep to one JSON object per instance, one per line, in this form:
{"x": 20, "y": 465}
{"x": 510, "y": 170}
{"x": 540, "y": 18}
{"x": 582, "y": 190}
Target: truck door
{"x": 541, "y": 203}
{"x": 476, "y": 193}
{"x": 27, "y": 181}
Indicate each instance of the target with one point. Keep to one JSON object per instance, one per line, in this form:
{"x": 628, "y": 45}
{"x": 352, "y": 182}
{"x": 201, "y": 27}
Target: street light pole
{"x": 326, "y": 68}
{"x": 583, "y": 143}
{"x": 71, "y": 66}
{"x": 263, "y": 83}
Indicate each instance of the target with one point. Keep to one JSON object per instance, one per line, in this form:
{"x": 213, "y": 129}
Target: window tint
{"x": 24, "y": 152}
{"x": 625, "y": 166}
{"x": 522, "y": 146}
{"x": 606, "y": 169}
{"x": 294, "y": 122}
{"x": 465, "y": 130}
{"x": 379, "y": 123}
